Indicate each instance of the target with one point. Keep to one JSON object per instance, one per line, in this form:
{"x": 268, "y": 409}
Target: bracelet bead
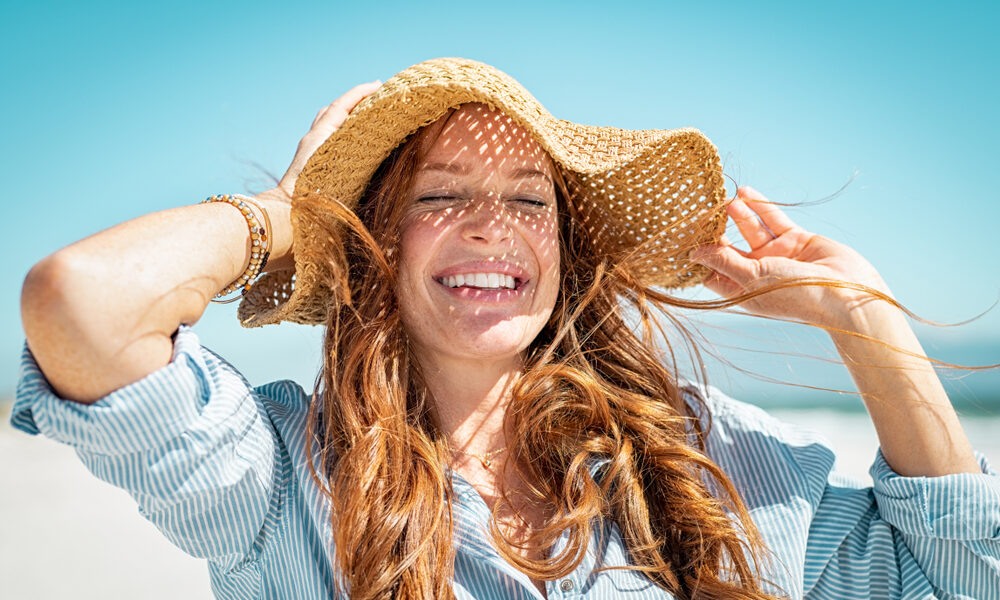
{"x": 260, "y": 244}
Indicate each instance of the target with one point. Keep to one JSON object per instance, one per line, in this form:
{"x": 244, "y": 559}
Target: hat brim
{"x": 651, "y": 195}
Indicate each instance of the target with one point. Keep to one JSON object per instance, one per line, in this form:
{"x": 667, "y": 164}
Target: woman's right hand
{"x": 100, "y": 313}
{"x": 276, "y": 201}
{"x": 328, "y": 120}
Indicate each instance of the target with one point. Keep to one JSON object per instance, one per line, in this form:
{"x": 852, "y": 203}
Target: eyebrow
{"x": 462, "y": 169}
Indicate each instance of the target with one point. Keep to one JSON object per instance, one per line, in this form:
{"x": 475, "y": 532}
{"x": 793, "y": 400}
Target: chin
{"x": 501, "y": 340}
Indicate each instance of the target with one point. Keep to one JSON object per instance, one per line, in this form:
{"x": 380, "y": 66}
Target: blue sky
{"x": 113, "y": 110}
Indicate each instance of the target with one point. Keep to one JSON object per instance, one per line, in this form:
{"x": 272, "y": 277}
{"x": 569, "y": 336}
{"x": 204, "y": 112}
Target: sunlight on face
{"x": 479, "y": 246}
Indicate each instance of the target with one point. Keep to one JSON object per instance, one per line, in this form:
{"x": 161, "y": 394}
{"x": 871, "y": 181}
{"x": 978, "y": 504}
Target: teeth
{"x": 480, "y": 280}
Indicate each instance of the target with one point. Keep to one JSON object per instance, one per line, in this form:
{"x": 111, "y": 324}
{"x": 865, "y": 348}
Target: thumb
{"x": 724, "y": 259}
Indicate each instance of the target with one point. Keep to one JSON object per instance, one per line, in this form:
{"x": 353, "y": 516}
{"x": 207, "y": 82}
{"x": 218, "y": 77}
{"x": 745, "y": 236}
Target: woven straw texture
{"x": 653, "y": 193}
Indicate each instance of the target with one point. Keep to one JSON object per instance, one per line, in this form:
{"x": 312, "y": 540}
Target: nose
{"x": 487, "y": 221}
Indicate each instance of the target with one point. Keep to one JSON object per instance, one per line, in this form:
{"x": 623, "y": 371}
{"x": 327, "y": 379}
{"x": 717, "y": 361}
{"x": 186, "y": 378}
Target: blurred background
{"x": 878, "y": 118}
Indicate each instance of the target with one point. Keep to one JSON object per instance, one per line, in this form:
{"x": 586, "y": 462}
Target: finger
{"x": 751, "y": 227}
{"x": 339, "y": 108}
{"x": 773, "y": 217}
{"x": 320, "y": 114}
{"x": 722, "y": 285}
{"x": 726, "y": 260}
{"x": 364, "y": 89}
{"x": 726, "y": 241}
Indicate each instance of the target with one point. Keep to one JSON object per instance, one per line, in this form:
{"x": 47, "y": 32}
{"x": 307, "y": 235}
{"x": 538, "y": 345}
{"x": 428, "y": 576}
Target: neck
{"x": 470, "y": 398}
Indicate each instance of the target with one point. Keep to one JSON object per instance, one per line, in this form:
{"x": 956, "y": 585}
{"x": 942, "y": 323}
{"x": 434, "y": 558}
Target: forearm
{"x": 918, "y": 429}
{"x": 99, "y": 313}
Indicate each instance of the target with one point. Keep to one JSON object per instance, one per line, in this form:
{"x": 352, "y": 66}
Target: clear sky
{"x": 113, "y": 109}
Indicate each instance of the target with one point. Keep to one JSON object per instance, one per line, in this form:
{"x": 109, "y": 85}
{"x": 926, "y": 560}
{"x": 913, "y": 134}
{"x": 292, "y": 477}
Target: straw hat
{"x": 653, "y": 192}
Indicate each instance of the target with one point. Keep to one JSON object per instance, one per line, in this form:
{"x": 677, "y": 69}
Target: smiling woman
{"x": 494, "y": 220}
{"x": 486, "y": 423}
{"x": 493, "y": 371}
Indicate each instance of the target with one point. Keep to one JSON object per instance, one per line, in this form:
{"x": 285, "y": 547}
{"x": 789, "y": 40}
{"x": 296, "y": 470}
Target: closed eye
{"x": 531, "y": 203}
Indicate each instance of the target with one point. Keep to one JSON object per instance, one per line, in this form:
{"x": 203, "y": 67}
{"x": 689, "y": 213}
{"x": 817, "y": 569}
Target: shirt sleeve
{"x": 899, "y": 537}
{"x": 906, "y": 537}
{"x": 191, "y": 442}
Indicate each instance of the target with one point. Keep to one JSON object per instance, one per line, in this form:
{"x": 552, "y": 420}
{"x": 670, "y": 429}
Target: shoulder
{"x": 734, "y": 417}
{"x": 283, "y": 396}
{"x": 760, "y": 452}
{"x": 284, "y": 400}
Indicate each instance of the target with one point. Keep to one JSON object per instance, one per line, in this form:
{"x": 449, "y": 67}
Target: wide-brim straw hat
{"x": 653, "y": 194}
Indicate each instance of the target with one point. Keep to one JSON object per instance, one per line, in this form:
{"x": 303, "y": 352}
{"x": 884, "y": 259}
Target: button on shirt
{"x": 220, "y": 468}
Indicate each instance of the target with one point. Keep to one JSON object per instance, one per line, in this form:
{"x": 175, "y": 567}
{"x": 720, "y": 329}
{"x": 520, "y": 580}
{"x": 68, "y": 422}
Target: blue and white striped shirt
{"x": 220, "y": 468}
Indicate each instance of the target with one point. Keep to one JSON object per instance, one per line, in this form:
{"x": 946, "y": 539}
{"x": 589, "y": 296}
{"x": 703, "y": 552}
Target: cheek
{"x": 411, "y": 264}
{"x": 415, "y": 242}
{"x": 545, "y": 242}
{"x": 409, "y": 232}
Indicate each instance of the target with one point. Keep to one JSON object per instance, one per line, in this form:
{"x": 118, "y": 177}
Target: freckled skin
{"x": 483, "y": 211}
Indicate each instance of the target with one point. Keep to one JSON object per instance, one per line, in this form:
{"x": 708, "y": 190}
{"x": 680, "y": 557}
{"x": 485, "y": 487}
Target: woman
{"x": 486, "y": 424}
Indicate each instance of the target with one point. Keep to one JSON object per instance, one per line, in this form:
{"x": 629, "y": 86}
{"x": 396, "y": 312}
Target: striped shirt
{"x": 220, "y": 468}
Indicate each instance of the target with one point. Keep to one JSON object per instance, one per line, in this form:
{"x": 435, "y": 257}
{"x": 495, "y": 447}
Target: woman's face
{"x": 479, "y": 245}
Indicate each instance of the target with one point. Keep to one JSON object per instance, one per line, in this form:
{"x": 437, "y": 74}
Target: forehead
{"x": 475, "y": 135}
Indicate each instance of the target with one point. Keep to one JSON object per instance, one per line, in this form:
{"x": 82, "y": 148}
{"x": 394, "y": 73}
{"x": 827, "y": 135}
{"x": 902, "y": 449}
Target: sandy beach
{"x": 67, "y": 534}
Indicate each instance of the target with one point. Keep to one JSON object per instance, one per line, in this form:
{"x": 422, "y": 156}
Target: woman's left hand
{"x": 781, "y": 250}
{"x": 919, "y": 432}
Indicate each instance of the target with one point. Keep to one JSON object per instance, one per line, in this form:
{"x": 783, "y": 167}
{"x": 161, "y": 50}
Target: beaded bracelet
{"x": 260, "y": 241}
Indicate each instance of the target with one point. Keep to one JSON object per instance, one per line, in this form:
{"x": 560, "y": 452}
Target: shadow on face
{"x": 478, "y": 238}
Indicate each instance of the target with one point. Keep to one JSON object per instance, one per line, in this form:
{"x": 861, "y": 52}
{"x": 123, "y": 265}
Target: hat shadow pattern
{"x": 644, "y": 198}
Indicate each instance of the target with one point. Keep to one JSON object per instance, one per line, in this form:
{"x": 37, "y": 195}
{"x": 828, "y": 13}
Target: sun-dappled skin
{"x": 918, "y": 429}
{"x": 429, "y": 353}
{"x": 483, "y": 200}
{"x": 415, "y": 371}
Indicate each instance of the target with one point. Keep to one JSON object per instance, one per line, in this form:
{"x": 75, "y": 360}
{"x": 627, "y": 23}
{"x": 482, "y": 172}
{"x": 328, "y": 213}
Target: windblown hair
{"x": 592, "y": 388}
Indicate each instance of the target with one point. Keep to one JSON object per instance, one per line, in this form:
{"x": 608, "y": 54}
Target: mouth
{"x": 484, "y": 282}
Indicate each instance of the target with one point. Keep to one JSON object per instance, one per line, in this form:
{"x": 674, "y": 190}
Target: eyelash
{"x": 531, "y": 201}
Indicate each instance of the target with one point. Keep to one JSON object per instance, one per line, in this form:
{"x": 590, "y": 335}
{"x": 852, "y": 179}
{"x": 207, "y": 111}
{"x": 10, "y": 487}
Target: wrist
{"x": 278, "y": 208}
{"x": 858, "y": 309}
{"x": 871, "y": 317}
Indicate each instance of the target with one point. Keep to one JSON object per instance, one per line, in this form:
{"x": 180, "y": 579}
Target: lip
{"x": 485, "y": 266}
{"x": 484, "y": 296}
{"x": 520, "y": 275}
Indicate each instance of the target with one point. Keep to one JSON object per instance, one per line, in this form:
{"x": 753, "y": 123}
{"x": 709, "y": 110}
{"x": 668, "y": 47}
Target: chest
{"x": 514, "y": 511}
{"x": 481, "y": 571}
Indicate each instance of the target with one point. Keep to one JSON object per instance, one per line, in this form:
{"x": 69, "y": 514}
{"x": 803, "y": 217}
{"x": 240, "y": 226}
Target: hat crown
{"x": 647, "y": 196}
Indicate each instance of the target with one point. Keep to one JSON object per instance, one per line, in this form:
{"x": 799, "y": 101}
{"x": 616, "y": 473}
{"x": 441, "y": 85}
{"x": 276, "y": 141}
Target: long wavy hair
{"x": 593, "y": 387}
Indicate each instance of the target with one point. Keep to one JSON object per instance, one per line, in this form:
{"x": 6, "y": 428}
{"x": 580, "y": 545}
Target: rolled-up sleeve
{"x": 907, "y": 537}
{"x": 191, "y": 442}
{"x": 837, "y": 537}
